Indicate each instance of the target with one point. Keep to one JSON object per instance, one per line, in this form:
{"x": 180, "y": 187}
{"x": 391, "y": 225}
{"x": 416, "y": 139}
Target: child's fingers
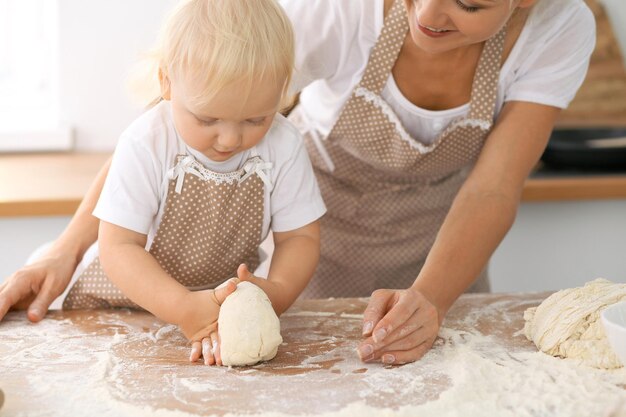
{"x": 215, "y": 345}
{"x": 207, "y": 352}
{"x": 243, "y": 273}
{"x": 196, "y": 349}
{"x": 224, "y": 290}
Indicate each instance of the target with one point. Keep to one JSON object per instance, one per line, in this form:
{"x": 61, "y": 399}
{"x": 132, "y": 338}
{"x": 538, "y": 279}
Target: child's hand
{"x": 200, "y": 322}
{"x": 271, "y": 288}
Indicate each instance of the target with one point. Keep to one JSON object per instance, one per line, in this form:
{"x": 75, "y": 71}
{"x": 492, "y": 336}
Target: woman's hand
{"x": 200, "y": 327}
{"x": 399, "y": 326}
{"x": 36, "y": 286}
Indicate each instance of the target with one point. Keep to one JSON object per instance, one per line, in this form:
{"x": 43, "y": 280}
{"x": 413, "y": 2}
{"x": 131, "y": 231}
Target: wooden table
{"x": 122, "y": 363}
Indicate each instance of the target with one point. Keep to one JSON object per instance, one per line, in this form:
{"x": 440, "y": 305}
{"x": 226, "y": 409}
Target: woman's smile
{"x": 433, "y": 32}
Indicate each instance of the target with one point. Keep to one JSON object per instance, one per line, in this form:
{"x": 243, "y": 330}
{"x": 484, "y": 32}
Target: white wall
{"x": 616, "y": 10}
{"x": 562, "y": 244}
{"x": 98, "y": 42}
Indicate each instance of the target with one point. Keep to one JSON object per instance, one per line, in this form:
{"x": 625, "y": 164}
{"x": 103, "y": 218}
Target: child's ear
{"x": 164, "y": 82}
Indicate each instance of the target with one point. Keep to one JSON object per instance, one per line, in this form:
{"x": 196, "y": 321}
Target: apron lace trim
{"x": 189, "y": 165}
{"x": 379, "y": 102}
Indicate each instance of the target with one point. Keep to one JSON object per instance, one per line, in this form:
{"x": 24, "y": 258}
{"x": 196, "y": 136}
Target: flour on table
{"x": 567, "y": 324}
{"x": 138, "y": 366}
{"x": 248, "y": 327}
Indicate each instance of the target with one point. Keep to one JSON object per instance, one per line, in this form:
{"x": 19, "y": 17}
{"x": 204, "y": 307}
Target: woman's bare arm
{"x": 35, "y": 286}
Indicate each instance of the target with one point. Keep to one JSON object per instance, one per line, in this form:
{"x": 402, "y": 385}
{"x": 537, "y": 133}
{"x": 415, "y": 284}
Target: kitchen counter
{"x": 123, "y": 363}
{"x": 46, "y": 184}
{"x": 546, "y": 184}
{"x": 54, "y": 184}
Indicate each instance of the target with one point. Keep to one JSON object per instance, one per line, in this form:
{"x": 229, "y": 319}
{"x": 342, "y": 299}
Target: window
{"x": 29, "y": 115}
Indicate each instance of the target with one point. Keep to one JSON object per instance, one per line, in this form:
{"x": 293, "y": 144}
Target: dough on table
{"x": 248, "y": 327}
{"x": 567, "y": 324}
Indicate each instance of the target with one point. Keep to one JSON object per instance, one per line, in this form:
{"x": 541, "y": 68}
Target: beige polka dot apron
{"x": 386, "y": 193}
{"x": 212, "y": 223}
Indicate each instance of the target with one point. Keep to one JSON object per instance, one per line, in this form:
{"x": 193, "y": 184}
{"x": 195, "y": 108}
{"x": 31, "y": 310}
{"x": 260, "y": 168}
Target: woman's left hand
{"x": 399, "y": 326}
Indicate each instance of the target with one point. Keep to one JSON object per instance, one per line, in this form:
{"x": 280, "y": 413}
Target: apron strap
{"x": 184, "y": 164}
{"x": 386, "y": 49}
{"x": 485, "y": 83}
{"x": 255, "y": 165}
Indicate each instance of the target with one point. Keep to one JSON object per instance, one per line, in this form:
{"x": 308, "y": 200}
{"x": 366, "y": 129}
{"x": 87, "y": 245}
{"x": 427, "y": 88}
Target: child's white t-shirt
{"x": 334, "y": 39}
{"x": 135, "y": 190}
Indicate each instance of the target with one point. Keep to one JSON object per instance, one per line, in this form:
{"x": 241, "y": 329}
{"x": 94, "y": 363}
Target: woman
{"x": 422, "y": 118}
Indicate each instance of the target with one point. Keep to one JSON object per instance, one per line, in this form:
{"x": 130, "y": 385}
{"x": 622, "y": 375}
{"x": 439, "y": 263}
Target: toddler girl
{"x": 197, "y": 182}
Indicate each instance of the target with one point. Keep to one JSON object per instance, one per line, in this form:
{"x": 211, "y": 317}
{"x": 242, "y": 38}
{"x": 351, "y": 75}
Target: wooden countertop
{"x": 46, "y": 184}
{"x": 54, "y": 184}
{"x": 122, "y": 363}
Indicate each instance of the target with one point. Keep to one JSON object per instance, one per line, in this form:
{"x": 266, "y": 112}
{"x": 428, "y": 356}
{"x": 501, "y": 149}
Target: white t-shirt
{"x": 334, "y": 39}
{"x": 136, "y": 187}
{"x": 135, "y": 190}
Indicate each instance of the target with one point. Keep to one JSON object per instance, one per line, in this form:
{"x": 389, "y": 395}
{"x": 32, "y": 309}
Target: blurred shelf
{"x": 51, "y": 184}
{"x": 54, "y": 184}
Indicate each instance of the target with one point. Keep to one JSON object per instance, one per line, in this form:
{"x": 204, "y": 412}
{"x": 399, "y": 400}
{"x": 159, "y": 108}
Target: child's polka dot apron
{"x": 211, "y": 224}
{"x": 386, "y": 193}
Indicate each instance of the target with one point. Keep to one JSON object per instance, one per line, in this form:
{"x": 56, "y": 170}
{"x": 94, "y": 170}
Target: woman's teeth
{"x": 435, "y": 30}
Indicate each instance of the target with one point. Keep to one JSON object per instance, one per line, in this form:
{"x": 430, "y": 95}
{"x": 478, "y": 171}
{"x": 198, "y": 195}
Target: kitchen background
{"x": 92, "y": 46}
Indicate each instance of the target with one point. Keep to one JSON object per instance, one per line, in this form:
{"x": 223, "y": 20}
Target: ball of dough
{"x": 248, "y": 327}
{"x": 567, "y": 324}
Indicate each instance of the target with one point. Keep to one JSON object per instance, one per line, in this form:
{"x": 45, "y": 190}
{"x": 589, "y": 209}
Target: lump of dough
{"x": 567, "y": 324}
{"x": 248, "y": 327}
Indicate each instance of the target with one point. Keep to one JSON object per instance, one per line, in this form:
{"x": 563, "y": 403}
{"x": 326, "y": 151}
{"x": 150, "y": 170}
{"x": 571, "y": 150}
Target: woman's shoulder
{"x": 554, "y": 27}
{"x": 320, "y": 14}
{"x": 550, "y": 18}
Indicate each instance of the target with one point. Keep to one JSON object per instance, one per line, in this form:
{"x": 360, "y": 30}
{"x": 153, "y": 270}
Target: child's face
{"x": 225, "y": 126}
{"x": 444, "y": 25}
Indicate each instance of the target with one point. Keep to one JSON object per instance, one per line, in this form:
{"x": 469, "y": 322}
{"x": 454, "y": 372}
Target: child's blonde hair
{"x": 214, "y": 43}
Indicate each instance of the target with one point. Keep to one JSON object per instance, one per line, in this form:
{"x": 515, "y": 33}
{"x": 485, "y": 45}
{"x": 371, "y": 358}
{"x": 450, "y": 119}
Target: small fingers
{"x": 207, "y": 352}
{"x": 243, "y": 273}
{"x": 215, "y": 345}
{"x": 196, "y": 350}
{"x": 224, "y": 290}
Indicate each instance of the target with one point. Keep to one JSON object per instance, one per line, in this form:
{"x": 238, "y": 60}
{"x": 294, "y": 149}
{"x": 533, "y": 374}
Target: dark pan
{"x": 587, "y": 149}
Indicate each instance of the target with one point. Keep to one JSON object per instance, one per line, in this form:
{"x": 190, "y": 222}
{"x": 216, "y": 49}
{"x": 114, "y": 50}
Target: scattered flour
{"x": 133, "y": 372}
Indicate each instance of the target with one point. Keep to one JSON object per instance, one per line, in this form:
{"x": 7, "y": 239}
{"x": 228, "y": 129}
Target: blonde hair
{"x": 215, "y": 43}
